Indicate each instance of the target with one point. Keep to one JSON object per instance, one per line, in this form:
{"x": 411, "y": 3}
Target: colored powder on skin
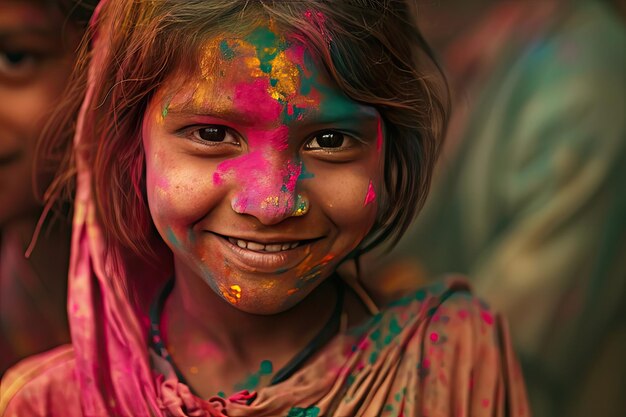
{"x": 172, "y": 238}
{"x": 292, "y": 175}
{"x": 228, "y": 53}
{"x": 253, "y": 99}
{"x": 304, "y": 174}
{"x": 371, "y": 194}
{"x": 267, "y": 45}
{"x": 232, "y": 294}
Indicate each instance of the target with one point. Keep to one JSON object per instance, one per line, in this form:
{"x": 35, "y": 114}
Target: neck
{"x": 222, "y": 343}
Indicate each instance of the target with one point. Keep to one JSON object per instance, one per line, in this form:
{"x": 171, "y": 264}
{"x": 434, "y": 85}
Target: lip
{"x": 265, "y": 262}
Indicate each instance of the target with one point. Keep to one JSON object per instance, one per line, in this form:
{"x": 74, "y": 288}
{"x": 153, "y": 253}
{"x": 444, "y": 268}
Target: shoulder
{"x": 42, "y": 385}
{"x": 458, "y": 350}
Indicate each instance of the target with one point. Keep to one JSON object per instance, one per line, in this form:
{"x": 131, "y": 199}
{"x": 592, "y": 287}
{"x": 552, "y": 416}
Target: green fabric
{"x": 532, "y": 203}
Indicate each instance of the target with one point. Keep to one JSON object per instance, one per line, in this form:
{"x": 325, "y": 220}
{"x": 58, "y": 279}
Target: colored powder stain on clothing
{"x": 487, "y": 317}
{"x": 434, "y": 337}
{"x": 371, "y": 194}
{"x": 304, "y": 412}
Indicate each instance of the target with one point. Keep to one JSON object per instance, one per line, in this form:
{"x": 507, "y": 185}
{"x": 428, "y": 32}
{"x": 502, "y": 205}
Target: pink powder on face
{"x": 371, "y": 194}
{"x": 295, "y": 54}
{"x": 292, "y": 173}
{"x": 253, "y": 99}
{"x": 265, "y": 178}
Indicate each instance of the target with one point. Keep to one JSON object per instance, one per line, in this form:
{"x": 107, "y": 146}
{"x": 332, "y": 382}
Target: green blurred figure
{"x": 530, "y": 197}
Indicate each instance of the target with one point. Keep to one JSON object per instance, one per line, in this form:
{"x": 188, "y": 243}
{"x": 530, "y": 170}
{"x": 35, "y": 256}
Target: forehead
{"x": 29, "y": 14}
{"x": 265, "y": 69}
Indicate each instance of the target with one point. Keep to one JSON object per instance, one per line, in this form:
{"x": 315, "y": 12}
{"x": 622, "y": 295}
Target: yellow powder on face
{"x": 287, "y": 76}
{"x": 232, "y": 294}
{"x": 273, "y": 201}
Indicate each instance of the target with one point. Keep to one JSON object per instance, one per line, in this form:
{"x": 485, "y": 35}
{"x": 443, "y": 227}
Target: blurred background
{"x": 529, "y": 199}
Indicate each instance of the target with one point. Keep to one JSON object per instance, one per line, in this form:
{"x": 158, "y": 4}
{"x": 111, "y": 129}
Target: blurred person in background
{"x": 530, "y": 195}
{"x": 38, "y": 39}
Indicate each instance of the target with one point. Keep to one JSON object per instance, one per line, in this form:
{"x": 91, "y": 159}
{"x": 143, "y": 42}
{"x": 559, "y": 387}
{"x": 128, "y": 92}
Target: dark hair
{"x": 372, "y": 50}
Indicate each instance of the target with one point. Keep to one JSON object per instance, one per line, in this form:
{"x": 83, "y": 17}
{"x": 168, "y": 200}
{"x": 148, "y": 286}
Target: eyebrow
{"x": 356, "y": 113}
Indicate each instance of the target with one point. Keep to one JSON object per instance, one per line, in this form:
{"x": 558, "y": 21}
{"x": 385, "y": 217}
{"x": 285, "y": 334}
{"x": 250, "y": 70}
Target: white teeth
{"x": 273, "y": 248}
{"x": 260, "y": 247}
{"x": 256, "y": 246}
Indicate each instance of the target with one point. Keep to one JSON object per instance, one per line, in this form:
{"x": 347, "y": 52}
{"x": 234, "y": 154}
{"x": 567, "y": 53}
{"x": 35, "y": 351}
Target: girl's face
{"x": 261, "y": 174}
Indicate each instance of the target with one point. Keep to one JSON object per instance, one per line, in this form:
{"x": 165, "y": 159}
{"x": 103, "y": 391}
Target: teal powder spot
{"x": 304, "y": 174}
{"x": 304, "y": 412}
{"x": 388, "y": 339}
{"x": 191, "y": 237}
{"x": 291, "y": 114}
{"x": 394, "y": 327}
{"x": 350, "y": 380}
{"x": 398, "y": 397}
{"x": 221, "y": 394}
{"x": 273, "y": 82}
{"x": 226, "y": 51}
{"x": 373, "y": 357}
{"x": 375, "y": 335}
{"x": 420, "y": 295}
{"x": 267, "y": 46}
{"x": 388, "y": 408}
{"x": 266, "y": 367}
{"x": 172, "y": 238}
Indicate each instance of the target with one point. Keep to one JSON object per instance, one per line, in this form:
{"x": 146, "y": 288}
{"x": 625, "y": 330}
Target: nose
{"x": 269, "y": 195}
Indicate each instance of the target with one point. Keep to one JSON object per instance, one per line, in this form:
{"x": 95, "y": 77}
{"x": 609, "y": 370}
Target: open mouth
{"x": 273, "y": 247}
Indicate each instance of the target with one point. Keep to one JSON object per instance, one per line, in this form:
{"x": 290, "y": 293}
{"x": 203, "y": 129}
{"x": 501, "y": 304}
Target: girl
{"x": 38, "y": 39}
{"x": 230, "y": 156}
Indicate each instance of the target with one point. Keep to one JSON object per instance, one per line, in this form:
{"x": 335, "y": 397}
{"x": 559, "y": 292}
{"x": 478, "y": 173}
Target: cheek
{"x": 180, "y": 191}
{"x": 349, "y": 199}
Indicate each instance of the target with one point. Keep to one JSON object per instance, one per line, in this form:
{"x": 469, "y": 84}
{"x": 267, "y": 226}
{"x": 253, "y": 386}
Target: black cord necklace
{"x": 330, "y": 329}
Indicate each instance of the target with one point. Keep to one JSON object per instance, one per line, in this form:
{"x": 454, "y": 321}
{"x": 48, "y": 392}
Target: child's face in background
{"x": 36, "y": 58}
{"x": 261, "y": 174}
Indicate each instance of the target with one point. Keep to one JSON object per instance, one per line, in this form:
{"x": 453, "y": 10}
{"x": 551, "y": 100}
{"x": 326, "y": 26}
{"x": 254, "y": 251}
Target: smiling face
{"x": 261, "y": 174}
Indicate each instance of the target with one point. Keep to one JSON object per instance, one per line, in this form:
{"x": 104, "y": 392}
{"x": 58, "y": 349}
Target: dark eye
{"x": 327, "y": 140}
{"x": 215, "y": 134}
{"x": 17, "y": 63}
